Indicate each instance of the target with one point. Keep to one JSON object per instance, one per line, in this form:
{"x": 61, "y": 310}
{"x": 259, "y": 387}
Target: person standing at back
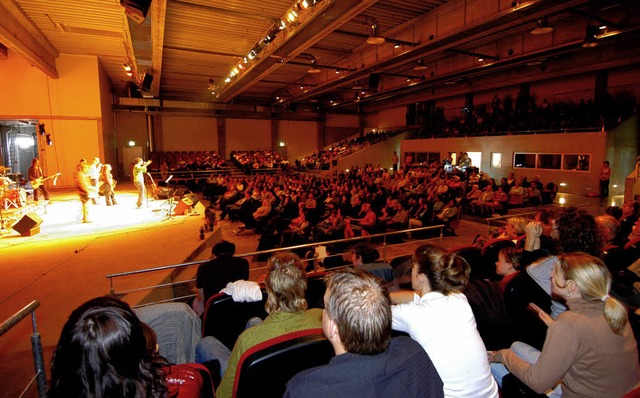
{"x": 605, "y": 176}
{"x": 394, "y": 161}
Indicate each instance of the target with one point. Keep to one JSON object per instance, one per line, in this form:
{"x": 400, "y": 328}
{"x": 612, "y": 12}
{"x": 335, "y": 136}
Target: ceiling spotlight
{"x": 301, "y": 87}
{"x": 49, "y": 140}
{"x": 396, "y": 45}
{"x": 480, "y": 59}
{"x": 542, "y": 27}
{"x": 304, "y": 4}
{"x": 590, "y": 38}
{"x": 227, "y": 80}
{"x": 130, "y": 74}
{"x": 420, "y": 65}
{"x": 375, "y": 38}
{"x": 127, "y": 68}
{"x": 282, "y": 25}
{"x": 337, "y": 71}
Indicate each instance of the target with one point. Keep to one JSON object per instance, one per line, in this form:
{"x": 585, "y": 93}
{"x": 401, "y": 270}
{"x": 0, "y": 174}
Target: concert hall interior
{"x": 171, "y": 102}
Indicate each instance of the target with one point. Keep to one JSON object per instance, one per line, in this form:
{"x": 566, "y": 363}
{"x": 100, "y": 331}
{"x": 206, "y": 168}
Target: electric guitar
{"x": 35, "y": 184}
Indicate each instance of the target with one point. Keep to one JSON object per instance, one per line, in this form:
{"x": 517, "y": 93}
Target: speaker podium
{"x": 28, "y": 225}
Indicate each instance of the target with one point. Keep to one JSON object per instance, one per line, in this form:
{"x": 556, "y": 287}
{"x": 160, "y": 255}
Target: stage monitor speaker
{"x": 190, "y": 198}
{"x": 181, "y": 207}
{"x": 28, "y": 225}
{"x": 136, "y": 9}
{"x": 145, "y": 84}
{"x": 164, "y": 193}
{"x": 374, "y": 80}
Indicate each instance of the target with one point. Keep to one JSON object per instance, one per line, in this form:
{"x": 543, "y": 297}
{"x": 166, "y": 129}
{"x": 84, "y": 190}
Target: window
{"x": 524, "y": 160}
{"x": 578, "y": 162}
{"x": 496, "y": 160}
{"x": 426, "y": 158}
{"x": 549, "y": 161}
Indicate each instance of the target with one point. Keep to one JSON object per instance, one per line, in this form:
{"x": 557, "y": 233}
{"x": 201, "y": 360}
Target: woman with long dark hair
{"x": 102, "y": 353}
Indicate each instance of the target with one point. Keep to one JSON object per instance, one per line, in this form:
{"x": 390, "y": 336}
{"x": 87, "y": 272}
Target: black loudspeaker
{"x": 180, "y": 192}
{"x": 29, "y": 225}
{"x": 374, "y": 80}
{"x": 145, "y": 84}
{"x": 136, "y": 9}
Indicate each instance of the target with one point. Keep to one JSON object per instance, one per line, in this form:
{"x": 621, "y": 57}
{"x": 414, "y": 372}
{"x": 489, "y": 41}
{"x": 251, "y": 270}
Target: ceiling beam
{"x": 327, "y": 17}
{"x": 19, "y": 34}
{"x": 158, "y": 19}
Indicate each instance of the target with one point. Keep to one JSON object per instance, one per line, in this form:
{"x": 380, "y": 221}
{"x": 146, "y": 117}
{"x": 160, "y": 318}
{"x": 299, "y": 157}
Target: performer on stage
{"x": 35, "y": 172}
{"x": 95, "y": 169}
{"x": 108, "y": 185}
{"x": 139, "y": 170}
{"x": 85, "y": 189}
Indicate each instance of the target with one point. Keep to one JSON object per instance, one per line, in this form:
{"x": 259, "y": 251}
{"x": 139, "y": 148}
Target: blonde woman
{"x": 590, "y": 349}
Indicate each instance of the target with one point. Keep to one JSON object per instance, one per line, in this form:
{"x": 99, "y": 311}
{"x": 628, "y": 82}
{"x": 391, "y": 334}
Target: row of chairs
{"x": 174, "y": 157}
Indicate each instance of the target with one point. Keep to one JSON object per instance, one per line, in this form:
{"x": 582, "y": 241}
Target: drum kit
{"x": 11, "y": 195}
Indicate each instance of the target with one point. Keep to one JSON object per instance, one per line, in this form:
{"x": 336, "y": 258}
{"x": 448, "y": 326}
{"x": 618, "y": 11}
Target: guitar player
{"x": 35, "y": 173}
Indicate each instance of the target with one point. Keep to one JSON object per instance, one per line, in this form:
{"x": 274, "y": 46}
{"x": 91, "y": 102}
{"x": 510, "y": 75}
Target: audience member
{"x": 214, "y": 275}
{"x": 368, "y": 362}
{"x": 286, "y": 284}
{"x": 590, "y": 348}
{"x": 437, "y": 315}
{"x": 102, "y": 353}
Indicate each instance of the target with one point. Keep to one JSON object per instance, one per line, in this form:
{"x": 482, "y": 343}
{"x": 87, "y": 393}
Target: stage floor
{"x": 66, "y": 264}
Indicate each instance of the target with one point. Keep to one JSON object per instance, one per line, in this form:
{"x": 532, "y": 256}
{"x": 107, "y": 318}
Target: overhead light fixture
{"x": 282, "y": 25}
{"x": 130, "y": 74}
{"x": 375, "y": 38}
{"x": 590, "y": 38}
{"x": 420, "y": 65}
{"x": 49, "y": 140}
{"x": 41, "y": 129}
{"x": 337, "y": 71}
{"x": 542, "y": 27}
{"x": 127, "y": 67}
{"x": 396, "y": 45}
{"x": 304, "y": 4}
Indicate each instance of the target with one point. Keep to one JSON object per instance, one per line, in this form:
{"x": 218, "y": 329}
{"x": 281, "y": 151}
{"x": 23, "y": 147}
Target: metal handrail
{"x": 36, "y": 346}
{"x": 315, "y": 260}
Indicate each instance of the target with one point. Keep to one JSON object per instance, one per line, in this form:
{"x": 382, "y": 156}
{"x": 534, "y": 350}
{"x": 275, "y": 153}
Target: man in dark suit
{"x": 214, "y": 275}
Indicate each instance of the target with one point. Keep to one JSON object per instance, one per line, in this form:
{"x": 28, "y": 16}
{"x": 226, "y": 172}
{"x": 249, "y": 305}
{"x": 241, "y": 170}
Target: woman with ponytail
{"x": 438, "y": 316}
{"x": 590, "y": 349}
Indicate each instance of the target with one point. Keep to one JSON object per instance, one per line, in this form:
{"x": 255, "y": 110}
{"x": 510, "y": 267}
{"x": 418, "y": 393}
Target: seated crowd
{"x": 255, "y": 160}
{"x": 295, "y": 209}
{"x": 588, "y": 351}
{"x": 508, "y": 115}
{"x": 165, "y": 161}
{"x": 322, "y": 159}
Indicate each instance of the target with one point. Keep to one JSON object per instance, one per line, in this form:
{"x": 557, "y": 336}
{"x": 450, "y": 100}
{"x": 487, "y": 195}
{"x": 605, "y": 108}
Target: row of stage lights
{"x": 290, "y": 17}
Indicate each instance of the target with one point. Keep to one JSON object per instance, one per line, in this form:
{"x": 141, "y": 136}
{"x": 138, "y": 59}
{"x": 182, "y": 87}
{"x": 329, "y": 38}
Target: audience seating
{"x": 526, "y": 325}
{"x": 177, "y": 328}
{"x": 191, "y": 380}
{"x": 473, "y": 256}
{"x": 316, "y": 289}
{"x": 512, "y": 387}
{"x": 225, "y": 319}
{"x": 265, "y": 369}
